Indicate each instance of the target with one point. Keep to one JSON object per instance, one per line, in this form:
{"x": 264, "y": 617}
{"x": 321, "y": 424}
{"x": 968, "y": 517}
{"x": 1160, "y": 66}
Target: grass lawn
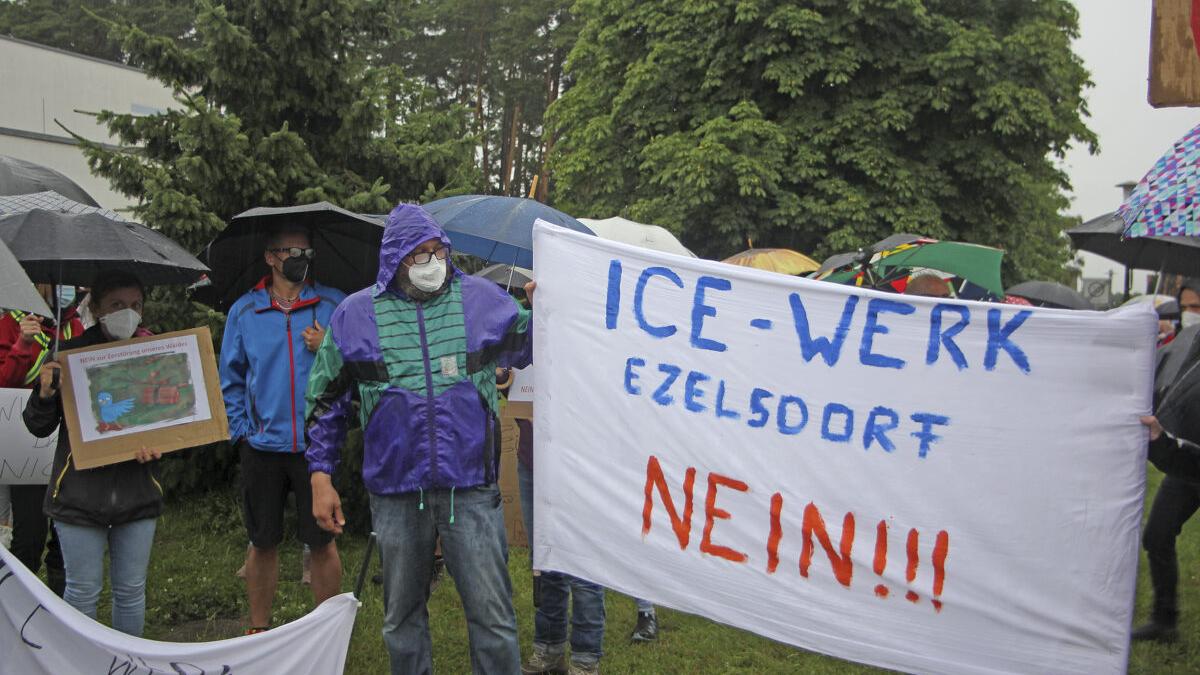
{"x": 193, "y": 595}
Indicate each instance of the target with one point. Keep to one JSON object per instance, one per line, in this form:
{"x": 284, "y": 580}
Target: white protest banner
{"x": 41, "y": 633}
{"x": 522, "y": 385}
{"x": 24, "y": 459}
{"x": 919, "y": 484}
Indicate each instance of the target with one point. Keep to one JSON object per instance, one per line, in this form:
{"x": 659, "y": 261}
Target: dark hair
{"x": 274, "y": 234}
{"x": 110, "y": 280}
{"x": 1191, "y": 284}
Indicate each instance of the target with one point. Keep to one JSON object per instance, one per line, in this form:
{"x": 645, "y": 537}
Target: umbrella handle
{"x": 54, "y": 380}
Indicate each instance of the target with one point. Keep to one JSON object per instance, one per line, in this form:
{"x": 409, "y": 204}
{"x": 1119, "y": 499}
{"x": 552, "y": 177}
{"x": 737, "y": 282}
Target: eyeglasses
{"x": 422, "y": 257}
{"x": 295, "y": 251}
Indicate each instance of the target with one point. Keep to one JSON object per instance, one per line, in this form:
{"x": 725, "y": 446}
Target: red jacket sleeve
{"x": 16, "y": 356}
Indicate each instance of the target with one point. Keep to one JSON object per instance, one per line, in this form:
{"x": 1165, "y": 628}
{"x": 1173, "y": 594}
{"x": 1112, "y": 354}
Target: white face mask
{"x": 121, "y": 324}
{"x": 1188, "y": 319}
{"x": 428, "y": 277}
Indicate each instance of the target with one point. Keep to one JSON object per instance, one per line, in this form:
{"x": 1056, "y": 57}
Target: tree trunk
{"x": 553, "y": 82}
{"x": 511, "y": 146}
{"x": 480, "y": 120}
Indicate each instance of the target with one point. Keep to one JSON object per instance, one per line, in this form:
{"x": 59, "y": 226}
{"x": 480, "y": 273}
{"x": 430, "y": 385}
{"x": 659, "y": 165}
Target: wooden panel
{"x": 1174, "y": 62}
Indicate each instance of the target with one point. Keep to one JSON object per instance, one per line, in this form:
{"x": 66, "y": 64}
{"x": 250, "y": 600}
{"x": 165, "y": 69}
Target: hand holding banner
{"x": 916, "y": 483}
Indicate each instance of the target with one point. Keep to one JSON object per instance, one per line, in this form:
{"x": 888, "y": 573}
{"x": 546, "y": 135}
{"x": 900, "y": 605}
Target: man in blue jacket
{"x": 271, "y": 333}
{"x": 421, "y": 349}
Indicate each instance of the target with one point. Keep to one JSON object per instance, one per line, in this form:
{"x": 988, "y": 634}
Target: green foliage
{"x": 275, "y": 112}
{"x": 197, "y": 469}
{"x": 826, "y": 125}
{"x": 70, "y": 24}
{"x": 502, "y": 60}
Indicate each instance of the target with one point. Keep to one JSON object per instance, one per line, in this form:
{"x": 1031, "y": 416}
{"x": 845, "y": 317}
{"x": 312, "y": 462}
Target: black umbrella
{"x": 1103, "y": 236}
{"x": 1050, "y": 294}
{"x": 72, "y": 248}
{"x": 16, "y": 288}
{"x": 506, "y": 275}
{"x": 22, "y": 177}
{"x": 863, "y": 255}
{"x": 346, "y": 243}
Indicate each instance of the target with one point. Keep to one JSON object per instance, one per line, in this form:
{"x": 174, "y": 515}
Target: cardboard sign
{"x": 520, "y": 394}
{"x": 24, "y": 458}
{"x": 921, "y": 484}
{"x": 159, "y": 392}
{"x": 1174, "y": 54}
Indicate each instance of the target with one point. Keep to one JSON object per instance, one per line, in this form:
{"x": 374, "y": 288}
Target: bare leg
{"x": 326, "y": 572}
{"x": 262, "y": 576}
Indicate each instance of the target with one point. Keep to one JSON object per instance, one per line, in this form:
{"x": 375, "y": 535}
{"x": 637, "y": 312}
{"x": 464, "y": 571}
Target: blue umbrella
{"x": 497, "y": 229}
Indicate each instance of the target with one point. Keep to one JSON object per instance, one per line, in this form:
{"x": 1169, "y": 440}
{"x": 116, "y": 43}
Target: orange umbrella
{"x": 782, "y": 260}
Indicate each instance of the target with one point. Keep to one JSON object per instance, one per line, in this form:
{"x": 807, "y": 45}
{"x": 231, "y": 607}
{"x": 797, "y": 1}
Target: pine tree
{"x": 279, "y": 104}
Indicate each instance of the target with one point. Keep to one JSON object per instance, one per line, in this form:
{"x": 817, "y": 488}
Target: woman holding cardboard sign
{"x": 114, "y": 506}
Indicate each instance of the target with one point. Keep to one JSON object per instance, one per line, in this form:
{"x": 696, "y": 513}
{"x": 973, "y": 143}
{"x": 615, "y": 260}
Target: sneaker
{"x": 542, "y": 661}
{"x": 578, "y": 668}
{"x": 1155, "y": 632}
{"x": 646, "y": 629}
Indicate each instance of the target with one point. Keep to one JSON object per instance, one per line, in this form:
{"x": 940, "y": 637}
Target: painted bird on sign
{"x": 111, "y": 411}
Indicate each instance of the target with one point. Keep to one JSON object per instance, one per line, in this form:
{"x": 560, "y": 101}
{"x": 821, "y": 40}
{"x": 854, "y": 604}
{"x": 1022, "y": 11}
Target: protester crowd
{"x": 415, "y": 361}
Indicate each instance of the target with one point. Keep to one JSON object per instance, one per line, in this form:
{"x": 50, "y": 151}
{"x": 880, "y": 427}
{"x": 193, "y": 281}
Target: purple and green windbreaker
{"x": 425, "y": 373}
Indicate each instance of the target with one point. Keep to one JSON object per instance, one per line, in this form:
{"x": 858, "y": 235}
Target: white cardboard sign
{"x": 24, "y": 459}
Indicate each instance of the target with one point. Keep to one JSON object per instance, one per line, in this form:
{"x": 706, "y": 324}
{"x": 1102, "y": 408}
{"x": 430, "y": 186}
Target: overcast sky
{"x": 1115, "y": 46}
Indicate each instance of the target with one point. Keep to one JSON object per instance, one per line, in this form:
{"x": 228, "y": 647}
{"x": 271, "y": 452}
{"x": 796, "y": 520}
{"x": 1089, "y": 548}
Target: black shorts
{"x": 267, "y": 477}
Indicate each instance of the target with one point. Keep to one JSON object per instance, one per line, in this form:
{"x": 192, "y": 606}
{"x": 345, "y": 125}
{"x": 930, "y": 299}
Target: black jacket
{"x": 106, "y": 495}
{"x": 1176, "y": 457}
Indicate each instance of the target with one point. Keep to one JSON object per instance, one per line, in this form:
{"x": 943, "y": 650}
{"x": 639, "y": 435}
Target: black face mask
{"x": 295, "y": 269}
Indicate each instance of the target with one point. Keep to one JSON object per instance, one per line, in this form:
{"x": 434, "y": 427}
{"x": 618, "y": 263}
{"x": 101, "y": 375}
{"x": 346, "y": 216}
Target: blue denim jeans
{"x": 471, "y": 525}
{"x": 587, "y": 598}
{"x": 129, "y": 552}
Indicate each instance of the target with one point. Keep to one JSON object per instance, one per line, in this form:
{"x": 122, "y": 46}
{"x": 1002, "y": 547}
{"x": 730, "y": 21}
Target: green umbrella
{"x": 978, "y": 264}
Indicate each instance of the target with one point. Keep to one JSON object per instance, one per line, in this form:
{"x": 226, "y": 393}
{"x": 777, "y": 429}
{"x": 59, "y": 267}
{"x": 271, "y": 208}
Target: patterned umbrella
{"x": 1165, "y": 200}
{"x": 782, "y": 260}
{"x": 50, "y": 201}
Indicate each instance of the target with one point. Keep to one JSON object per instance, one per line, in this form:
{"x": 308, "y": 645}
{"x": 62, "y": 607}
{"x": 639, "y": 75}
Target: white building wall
{"x": 39, "y": 85}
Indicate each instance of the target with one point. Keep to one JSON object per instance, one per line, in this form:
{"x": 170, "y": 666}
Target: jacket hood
{"x": 408, "y": 225}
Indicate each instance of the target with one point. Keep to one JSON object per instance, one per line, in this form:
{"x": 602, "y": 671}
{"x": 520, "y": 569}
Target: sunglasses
{"x": 295, "y": 252}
